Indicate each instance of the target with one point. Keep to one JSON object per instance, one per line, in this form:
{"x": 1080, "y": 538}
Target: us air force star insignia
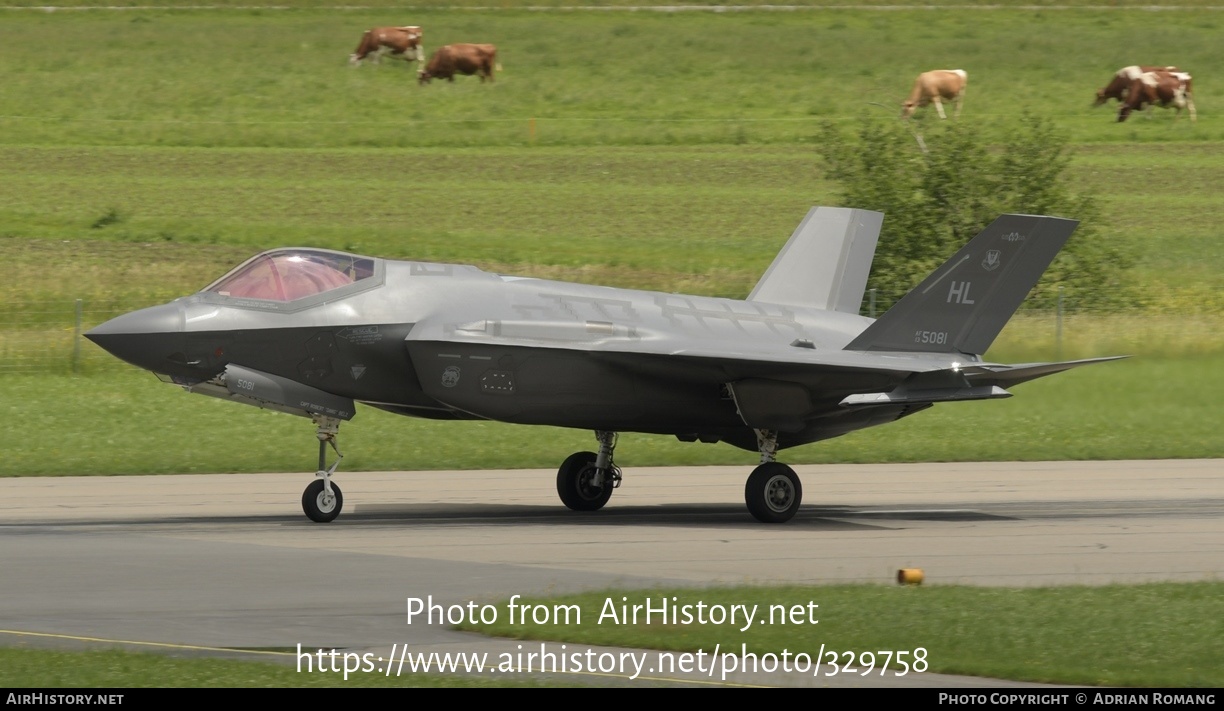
{"x": 450, "y": 377}
{"x": 991, "y": 262}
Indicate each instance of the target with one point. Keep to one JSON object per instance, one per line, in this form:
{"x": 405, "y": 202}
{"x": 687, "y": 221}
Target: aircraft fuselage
{"x": 455, "y": 342}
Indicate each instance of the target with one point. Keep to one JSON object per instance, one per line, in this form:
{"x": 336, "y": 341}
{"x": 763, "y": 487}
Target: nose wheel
{"x": 322, "y": 500}
{"x": 320, "y": 504}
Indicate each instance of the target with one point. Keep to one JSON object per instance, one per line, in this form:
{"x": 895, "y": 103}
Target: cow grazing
{"x": 935, "y": 87}
{"x": 467, "y": 59}
{"x": 399, "y": 42}
{"x": 1122, "y": 80}
{"x": 1159, "y": 89}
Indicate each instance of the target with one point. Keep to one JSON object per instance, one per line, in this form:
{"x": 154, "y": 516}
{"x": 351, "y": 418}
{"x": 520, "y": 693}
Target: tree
{"x": 938, "y": 193}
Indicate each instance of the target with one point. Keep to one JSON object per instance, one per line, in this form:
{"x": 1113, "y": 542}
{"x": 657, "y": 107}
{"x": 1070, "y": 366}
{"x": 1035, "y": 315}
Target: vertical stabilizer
{"x": 962, "y": 306}
{"x": 825, "y": 262}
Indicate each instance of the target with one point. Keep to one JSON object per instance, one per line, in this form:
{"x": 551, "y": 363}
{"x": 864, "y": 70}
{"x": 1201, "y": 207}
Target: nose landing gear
{"x": 322, "y": 500}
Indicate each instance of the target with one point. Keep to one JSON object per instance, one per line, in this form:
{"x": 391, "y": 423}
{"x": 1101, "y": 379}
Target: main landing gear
{"x": 585, "y": 480}
{"x": 773, "y": 492}
{"x": 322, "y": 499}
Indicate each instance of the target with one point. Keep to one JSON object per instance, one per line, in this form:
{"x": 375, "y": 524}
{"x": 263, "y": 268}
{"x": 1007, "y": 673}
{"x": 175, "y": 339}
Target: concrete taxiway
{"x": 229, "y": 562}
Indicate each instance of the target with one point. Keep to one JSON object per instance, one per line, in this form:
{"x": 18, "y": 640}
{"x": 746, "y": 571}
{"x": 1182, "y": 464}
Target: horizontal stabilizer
{"x": 962, "y": 306}
{"x": 968, "y": 382}
{"x": 825, "y": 263}
{"x": 1009, "y": 375}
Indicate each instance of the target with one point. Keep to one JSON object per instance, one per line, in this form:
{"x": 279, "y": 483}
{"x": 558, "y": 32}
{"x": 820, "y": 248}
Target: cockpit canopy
{"x": 288, "y": 275}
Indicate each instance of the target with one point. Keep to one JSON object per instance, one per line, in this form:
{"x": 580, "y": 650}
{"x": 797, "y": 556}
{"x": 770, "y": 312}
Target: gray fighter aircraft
{"x": 312, "y": 331}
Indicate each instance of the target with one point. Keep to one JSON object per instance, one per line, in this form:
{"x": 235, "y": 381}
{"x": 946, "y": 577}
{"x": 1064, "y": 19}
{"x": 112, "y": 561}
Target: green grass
{"x": 143, "y": 171}
{"x": 275, "y": 78}
{"x": 672, "y": 152}
{"x": 1154, "y": 635}
{"x": 696, "y": 219}
{"x": 127, "y": 422}
{"x": 628, "y": 217}
{"x": 889, "y": 5}
{"x": 113, "y": 669}
{"x": 1160, "y": 635}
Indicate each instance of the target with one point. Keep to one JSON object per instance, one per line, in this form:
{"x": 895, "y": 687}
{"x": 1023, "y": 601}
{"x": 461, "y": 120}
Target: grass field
{"x": 633, "y": 5}
{"x": 700, "y": 219}
{"x": 114, "y": 669}
{"x": 1065, "y": 635}
{"x": 143, "y": 152}
{"x": 264, "y": 79}
{"x": 1157, "y": 636}
{"x": 671, "y": 151}
{"x": 662, "y": 150}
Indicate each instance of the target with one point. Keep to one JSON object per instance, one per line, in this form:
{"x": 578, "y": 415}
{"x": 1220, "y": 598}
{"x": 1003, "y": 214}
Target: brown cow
{"x": 934, "y": 87}
{"x": 399, "y": 42}
{"x": 1159, "y": 89}
{"x": 467, "y": 59}
{"x": 1122, "y": 80}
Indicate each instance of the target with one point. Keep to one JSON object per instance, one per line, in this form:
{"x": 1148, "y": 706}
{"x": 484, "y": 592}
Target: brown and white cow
{"x": 1159, "y": 89}
{"x": 399, "y": 42}
{"x": 1122, "y": 80}
{"x": 936, "y": 87}
{"x": 467, "y": 59}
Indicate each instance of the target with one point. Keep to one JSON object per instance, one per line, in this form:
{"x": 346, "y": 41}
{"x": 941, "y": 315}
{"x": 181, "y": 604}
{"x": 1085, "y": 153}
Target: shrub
{"x": 939, "y": 191}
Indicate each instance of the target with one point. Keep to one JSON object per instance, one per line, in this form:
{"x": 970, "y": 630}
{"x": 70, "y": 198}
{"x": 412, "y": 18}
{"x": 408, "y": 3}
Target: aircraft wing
{"x": 908, "y": 377}
{"x": 789, "y": 393}
{"x": 920, "y": 378}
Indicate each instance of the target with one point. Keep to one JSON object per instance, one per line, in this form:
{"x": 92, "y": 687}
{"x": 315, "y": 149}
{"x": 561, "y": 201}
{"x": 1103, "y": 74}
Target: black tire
{"x": 773, "y": 493}
{"x": 316, "y": 504}
{"x": 574, "y": 483}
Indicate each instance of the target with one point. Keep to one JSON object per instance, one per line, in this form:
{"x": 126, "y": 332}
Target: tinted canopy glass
{"x": 290, "y": 274}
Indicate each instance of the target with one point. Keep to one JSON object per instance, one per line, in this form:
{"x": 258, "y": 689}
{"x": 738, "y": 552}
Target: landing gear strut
{"x": 773, "y": 491}
{"x": 585, "y": 480}
{"x": 322, "y": 499}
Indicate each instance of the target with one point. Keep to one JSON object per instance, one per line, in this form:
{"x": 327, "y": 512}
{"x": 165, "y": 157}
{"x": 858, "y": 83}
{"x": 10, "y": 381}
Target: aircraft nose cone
{"x": 149, "y": 338}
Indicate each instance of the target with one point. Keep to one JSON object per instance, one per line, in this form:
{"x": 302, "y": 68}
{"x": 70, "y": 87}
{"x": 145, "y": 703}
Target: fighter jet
{"x": 313, "y": 331}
